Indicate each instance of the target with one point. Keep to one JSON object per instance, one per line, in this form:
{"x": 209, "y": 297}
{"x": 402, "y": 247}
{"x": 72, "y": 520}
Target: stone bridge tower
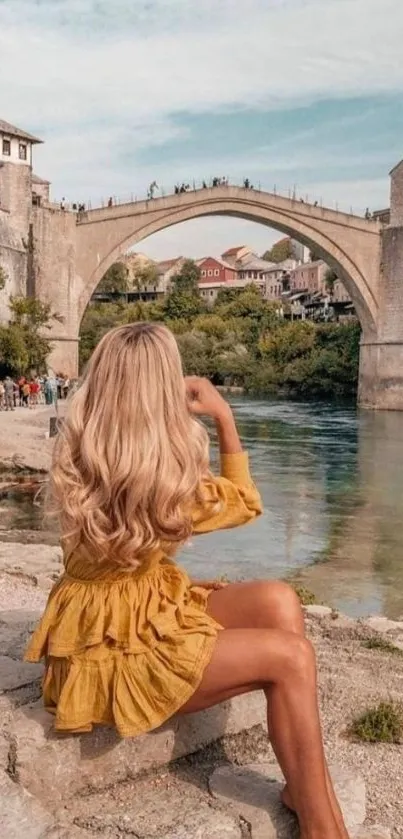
{"x": 381, "y": 358}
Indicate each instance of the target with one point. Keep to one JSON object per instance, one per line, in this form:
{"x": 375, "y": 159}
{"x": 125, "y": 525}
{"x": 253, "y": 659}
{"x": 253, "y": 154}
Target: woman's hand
{"x": 210, "y": 585}
{"x": 204, "y": 398}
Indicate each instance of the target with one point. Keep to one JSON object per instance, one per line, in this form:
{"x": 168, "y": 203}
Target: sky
{"x": 300, "y": 94}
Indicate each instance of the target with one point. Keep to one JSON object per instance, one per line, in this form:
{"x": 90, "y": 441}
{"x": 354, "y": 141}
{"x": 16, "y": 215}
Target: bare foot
{"x": 287, "y": 800}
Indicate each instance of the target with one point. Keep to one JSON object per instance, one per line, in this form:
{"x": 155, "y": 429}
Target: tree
{"x": 289, "y": 341}
{"x": 314, "y": 256}
{"x": 187, "y": 278}
{"x": 280, "y": 251}
{"x": 23, "y": 346}
{"x": 224, "y": 296}
{"x": 3, "y": 278}
{"x": 146, "y": 276}
{"x": 330, "y": 279}
{"x": 183, "y": 301}
{"x": 115, "y": 279}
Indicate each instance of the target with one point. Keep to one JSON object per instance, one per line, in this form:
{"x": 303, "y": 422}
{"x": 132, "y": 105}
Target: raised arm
{"x": 230, "y": 499}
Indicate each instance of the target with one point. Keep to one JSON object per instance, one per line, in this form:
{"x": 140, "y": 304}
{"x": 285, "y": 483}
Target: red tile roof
{"x": 233, "y": 251}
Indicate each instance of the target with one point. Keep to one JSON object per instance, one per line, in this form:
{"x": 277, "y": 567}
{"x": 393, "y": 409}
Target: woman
{"x": 128, "y": 639}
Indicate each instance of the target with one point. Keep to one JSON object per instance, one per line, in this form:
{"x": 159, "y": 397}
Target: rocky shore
{"x": 211, "y": 776}
{"x": 24, "y": 440}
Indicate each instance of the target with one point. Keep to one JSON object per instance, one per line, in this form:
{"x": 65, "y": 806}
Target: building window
{"x": 211, "y": 293}
{"x": 210, "y": 272}
{"x": 203, "y": 273}
{"x": 6, "y": 147}
{"x": 216, "y": 272}
{"x": 22, "y": 151}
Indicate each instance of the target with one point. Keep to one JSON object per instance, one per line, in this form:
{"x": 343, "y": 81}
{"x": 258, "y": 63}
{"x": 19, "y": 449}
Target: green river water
{"x": 332, "y": 485}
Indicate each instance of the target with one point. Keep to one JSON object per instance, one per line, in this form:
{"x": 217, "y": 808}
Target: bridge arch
{"x": 347, "y": 243}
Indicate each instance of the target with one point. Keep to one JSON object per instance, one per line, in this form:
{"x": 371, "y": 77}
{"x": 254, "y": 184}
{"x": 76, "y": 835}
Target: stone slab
{"x": 39, "y": 560}
{"x": 382, "y": 624}
{"x": 318, "y": 611}
{"x": 254, "y": 793}
{"x": 206, "y": 825}
{"x": 21, "y": 815}
{"x": 16, "y": 674}
{"x": 374, "y": 832}
{"x": 54, "y": 766}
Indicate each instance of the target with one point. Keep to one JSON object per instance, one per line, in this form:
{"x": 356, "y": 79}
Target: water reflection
{"x": 332, "y": 484}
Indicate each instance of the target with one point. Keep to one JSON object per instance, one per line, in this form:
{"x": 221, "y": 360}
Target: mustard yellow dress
{"x": 128, "y": 648}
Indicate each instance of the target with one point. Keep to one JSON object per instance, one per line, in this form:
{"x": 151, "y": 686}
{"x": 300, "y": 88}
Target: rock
{"x": 208, "y": 824}
{"x": 15, "y": 631}
{"x": 53, "y": 766}
{"x": 19, "y": 618}
{"x": 21, "y": 816}
{"x": 16, "y": 674}
{"x": 374, "y": 832}
{"x": 73, "y": 833}
{"x": 318, "y": 611}
{"x": 381, "y": 624}
{"x": 254, "y": 793}
{"x": 37, "y": 560}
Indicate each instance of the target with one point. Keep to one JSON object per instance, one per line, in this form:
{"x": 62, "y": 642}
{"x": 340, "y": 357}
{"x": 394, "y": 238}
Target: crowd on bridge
{"x": 27, "y": 392}
{"x": 180, "y": 188}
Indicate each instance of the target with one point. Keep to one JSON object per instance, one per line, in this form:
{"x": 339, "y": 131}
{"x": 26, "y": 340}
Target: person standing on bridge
{"x": 151, "y": 190}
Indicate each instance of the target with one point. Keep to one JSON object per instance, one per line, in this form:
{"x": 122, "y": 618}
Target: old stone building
{"x": 16, "y": 193}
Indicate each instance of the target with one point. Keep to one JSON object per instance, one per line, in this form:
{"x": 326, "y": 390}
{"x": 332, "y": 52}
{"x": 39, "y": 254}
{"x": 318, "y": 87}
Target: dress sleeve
{"x": 229, "y": 500}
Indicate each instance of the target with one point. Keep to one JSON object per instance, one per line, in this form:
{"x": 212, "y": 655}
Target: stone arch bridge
{"x": 75, "y": 253}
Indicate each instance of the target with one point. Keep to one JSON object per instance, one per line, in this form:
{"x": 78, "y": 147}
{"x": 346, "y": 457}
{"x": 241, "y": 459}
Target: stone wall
{"x": 54, "y": 235}
{"x": 13, "y": 260}
{"x": 15, "y": 209}
{"x": 396, "y": 196}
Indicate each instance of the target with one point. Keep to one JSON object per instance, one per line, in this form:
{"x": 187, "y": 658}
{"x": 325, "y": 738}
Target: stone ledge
{"x": 52, "y": 766}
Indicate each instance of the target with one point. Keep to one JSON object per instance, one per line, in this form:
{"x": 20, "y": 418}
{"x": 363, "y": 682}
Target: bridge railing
{"x": 157, "y": 190}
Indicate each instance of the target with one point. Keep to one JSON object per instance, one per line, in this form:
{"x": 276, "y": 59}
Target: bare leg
{"x": 271, "y": 605}
{"x": 283, "y": 665}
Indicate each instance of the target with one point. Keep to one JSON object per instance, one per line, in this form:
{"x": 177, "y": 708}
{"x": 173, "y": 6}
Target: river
{"x": 331, "y": 479}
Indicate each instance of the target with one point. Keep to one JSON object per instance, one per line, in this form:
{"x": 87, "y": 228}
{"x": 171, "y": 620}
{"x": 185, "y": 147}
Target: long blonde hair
{"x": 130, "y": 458}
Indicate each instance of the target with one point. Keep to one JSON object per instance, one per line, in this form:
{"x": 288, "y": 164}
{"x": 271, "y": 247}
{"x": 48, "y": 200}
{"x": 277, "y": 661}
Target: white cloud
{"x": 101, "y": 80}
{"x": 196, "y": 57}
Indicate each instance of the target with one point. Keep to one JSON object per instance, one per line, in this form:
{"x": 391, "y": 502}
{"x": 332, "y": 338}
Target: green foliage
{"x": 314, "y": 256}
{"x": 330, "y": 279}
{"x": 115, "y": 279}
{"x": 306, "y": 596}
{"x": 288, "y": 341}
{"x": 145, "y": 276}
{"x": 183, "y": 301}
{"x": 226, "y": 295}
{"x": 280, "y": 251}
{"x": 381, "y": 724}
{"x": 241, "y": 340}
{"x": 3, "y": 277}
{"x": 23, "y": 346}
{"x": 383, "y": 645}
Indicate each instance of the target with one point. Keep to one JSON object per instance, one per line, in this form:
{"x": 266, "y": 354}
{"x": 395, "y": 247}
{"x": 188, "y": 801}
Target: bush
{"x": 382, "y": 724}
{"x": 383, "y": 645}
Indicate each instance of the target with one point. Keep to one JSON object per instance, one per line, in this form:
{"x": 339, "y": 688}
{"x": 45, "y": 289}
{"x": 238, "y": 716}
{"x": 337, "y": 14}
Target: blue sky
{"x": 304, "y": 93}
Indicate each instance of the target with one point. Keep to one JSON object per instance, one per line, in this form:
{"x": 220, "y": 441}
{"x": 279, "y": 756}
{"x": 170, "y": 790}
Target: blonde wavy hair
{"x": 130, "y": 458}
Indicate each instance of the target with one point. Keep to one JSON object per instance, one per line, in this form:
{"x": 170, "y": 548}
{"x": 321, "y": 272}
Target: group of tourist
{"x": 30, "y": 392}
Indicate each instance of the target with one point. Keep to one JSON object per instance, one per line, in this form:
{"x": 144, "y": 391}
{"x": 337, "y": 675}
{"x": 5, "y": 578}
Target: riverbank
{"x": 170, "y": 801}
{"x": 24, "y": 439}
